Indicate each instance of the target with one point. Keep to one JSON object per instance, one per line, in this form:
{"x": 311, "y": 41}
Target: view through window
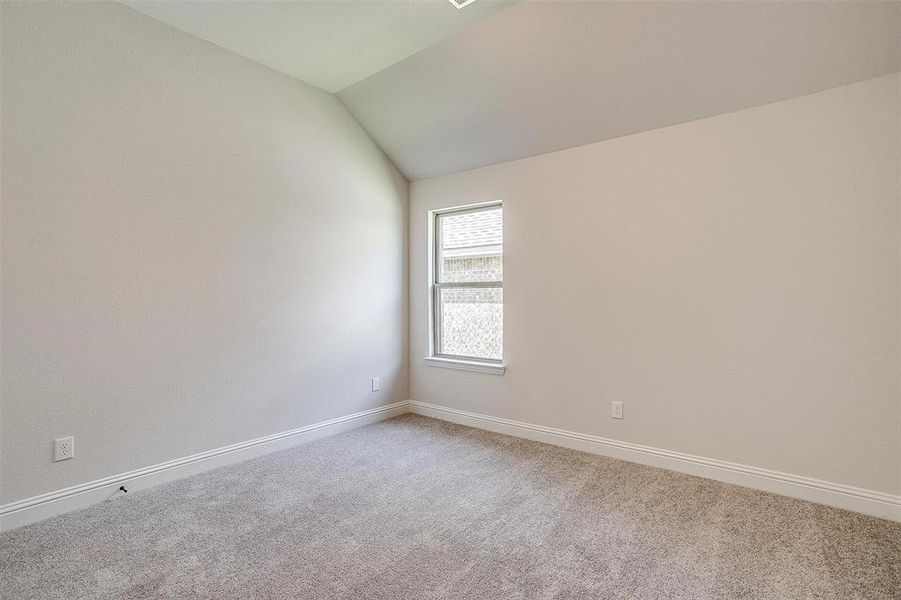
{"x": 468, "y": 301}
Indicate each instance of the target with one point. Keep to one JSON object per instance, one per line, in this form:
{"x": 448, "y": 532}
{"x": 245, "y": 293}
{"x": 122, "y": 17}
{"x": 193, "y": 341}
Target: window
{"x": 467, "y": 300}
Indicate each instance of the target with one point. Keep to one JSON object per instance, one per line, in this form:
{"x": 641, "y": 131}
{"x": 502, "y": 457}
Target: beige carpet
{"x": 417, "y": 508}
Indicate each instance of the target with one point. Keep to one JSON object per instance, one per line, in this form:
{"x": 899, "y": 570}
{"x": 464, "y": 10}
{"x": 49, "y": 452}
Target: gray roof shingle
{"x": 480, "y": 228}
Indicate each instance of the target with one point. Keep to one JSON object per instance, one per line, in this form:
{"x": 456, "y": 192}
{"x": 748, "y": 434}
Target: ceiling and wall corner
{"x": 443, "y": 90}
{"x": 544, "y": 76}
{"x": 330, "y": 44}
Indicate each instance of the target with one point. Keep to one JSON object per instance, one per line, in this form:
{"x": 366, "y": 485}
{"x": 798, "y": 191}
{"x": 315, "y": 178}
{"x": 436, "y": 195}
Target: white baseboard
{"x": 29, "y": 510}
{"x": 878, "y": 504}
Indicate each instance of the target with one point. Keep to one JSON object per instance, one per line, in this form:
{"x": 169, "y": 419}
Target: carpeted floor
{"x": 417, "y": 508}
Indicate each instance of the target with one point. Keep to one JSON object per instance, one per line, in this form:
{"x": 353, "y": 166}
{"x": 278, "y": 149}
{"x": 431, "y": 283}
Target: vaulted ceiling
{"x": 443, "y": 90}
{"x": 327, "y": 43}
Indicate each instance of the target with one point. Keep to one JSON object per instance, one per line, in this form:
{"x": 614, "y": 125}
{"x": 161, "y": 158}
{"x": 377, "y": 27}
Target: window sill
{"x": 466, "y": 365}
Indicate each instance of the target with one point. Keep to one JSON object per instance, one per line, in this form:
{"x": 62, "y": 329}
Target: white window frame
{"x": 436, "y": 359}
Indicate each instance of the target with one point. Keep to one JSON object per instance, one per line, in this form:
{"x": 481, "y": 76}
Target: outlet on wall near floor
{"x": 616, "y": 410}
{"x": 63, "y": 449}
{"x": 375, "y": 384}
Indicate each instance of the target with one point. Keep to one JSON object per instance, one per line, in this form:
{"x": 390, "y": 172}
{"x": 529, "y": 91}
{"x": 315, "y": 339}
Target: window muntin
{"x": 467, "y": 286}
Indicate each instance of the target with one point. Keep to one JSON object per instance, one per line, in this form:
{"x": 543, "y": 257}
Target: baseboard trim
{"x": 878, "y": 504}
{"x": 30, "y": 510}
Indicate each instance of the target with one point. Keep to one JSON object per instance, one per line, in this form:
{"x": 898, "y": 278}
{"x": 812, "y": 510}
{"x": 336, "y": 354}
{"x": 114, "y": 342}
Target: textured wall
{"x": 733, "y": 280}
{"x": 196, "y": 250}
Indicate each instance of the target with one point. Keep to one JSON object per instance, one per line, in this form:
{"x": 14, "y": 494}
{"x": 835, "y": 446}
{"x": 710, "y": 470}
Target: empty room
{"x": 450, "y": 299}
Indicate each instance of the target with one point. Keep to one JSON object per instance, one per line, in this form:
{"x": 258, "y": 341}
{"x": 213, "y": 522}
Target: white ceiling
{"x": 542, "y": 76}
{"x": 444, "y": 90}
{"x": 328, "y": 43}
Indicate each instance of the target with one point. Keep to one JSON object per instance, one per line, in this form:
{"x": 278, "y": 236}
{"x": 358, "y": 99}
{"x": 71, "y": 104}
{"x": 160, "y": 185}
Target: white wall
{"x": 196, "y": 250}
{"x": 733, "y": 280}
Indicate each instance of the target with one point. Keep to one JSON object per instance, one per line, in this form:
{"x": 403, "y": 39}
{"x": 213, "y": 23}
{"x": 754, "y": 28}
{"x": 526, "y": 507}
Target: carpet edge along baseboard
{"x": 58, "y": 502}
{"x": 869, "y": 502}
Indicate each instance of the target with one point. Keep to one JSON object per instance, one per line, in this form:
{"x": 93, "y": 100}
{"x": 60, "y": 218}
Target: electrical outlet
{"x": 63, "y": 449}
{"x": 616, "y": 410}
{"x": 375, "y": 385}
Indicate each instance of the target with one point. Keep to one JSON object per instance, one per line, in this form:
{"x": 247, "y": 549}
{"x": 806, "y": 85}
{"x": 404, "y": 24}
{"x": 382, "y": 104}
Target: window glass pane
{"x": 472, "y": 322}
{"x": 471, "y": 246}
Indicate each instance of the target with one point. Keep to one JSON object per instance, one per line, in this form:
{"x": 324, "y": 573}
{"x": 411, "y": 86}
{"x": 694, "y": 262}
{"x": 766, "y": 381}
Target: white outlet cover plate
{"x": 616, "y": 410}
{"x": 63, "y": 448}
